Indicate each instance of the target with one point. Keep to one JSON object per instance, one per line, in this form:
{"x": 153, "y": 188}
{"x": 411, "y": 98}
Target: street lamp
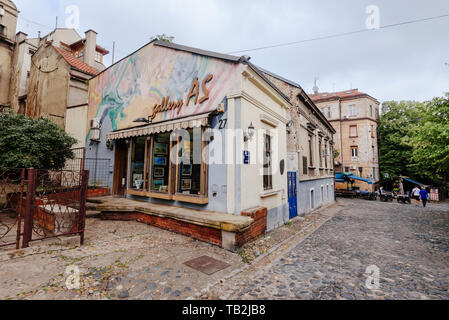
{"x": 249, "y": 134}
{"x": 143, "y": 120}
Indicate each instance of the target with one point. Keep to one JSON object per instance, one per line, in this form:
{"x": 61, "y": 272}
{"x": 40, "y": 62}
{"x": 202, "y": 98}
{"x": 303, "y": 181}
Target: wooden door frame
{"x": 120, "y": 167}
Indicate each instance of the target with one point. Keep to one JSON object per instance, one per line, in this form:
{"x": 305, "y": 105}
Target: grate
{"x": 207, "y": 265}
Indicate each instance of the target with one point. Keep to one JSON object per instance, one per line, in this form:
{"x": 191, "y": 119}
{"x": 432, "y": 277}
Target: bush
{"x": 33, "y": 143}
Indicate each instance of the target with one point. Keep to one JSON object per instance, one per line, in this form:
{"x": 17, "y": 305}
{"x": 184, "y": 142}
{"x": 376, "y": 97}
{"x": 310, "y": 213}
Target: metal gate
{"x": 48, "y": 203}
{"x": 292, "y": 195}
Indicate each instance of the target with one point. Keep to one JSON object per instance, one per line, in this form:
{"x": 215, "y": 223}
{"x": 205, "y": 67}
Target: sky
{"x": 407, "y": 62}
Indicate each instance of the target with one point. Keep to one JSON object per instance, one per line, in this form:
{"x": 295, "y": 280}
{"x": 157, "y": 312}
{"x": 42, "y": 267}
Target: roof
{"x": 82, "y": 41}
{"x": 341, "y": 95}
{"x": 197, "y": 51}
{"x": 76, "y": 63}
{"x": 306, "y": 101}
{"x": 9, "y": 3}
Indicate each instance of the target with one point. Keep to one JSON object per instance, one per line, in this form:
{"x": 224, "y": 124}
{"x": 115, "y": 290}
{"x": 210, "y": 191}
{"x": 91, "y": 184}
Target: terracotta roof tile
{"x": 76, "y": 63}
{"x": 341, "y": 94}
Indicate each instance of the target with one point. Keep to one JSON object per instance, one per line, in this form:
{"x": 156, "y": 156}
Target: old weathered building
{"x": 310, "y": 147}
{"x": 8, "y": 23}
{"x": 59, "y": 79}
{"x": 354, "y": 115}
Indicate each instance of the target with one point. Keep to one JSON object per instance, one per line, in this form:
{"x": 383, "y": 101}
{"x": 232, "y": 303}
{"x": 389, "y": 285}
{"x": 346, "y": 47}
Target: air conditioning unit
{"x": 353, "y": 168}
{"x": 2, "y": 12}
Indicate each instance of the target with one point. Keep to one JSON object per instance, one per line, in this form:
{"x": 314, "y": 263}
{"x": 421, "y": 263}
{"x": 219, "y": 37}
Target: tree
{"x": 33, "y": 143}
{"x": 396, "y": 126}
{"x": 430, "y": 140}
{"x": 163, "y": 37}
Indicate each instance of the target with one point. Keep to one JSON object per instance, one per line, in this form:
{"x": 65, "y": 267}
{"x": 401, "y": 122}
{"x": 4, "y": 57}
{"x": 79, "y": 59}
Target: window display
{"x": 160, "y": 162}
{"x": 189, "y": 162}
{"x": 138, "y": 163}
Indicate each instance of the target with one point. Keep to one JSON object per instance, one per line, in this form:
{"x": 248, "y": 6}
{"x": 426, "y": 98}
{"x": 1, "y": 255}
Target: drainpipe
{"x": 341, "y": 140}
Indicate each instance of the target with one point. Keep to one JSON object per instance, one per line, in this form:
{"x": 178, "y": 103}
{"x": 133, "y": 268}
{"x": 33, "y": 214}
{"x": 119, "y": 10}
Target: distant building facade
{"x": 310, "y": 147}
{"x": 67, "y": 39}
{"x": 8, "y": 24}
{"x": 354, "y": 116}
{"x": 59, "y": 76}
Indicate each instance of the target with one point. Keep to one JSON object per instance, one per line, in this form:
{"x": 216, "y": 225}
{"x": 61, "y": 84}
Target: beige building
{"x": 354, "y": 116}
{"x": 8, "y": 23}
{"x": 310, "y": 147}
{"x": 59, "y": 76}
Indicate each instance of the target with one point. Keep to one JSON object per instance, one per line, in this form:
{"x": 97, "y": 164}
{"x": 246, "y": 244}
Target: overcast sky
{"x": 401, "y": 63}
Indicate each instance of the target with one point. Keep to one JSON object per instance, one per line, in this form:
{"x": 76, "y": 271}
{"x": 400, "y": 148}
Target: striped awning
{"x": 161, "y": 127}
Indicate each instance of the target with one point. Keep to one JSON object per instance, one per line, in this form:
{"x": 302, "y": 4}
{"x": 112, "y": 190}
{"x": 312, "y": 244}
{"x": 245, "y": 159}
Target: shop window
{"x": 137, "y": 163}
{"x": 267, "y": 176}
{"x": 160, "y": 162}
{"x": 190, "y": 178}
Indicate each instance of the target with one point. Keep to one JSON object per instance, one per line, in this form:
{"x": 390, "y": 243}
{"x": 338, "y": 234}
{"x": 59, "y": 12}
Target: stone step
{"x": 92, "y": 214}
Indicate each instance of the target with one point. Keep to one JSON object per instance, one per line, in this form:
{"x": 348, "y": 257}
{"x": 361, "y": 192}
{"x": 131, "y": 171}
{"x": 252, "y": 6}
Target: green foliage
{"x": 414, "y": 139}
{"x": 395, "y": 128}
{"x": 163, "y": 37}
{"x": 430, "y": 140}
{"x": 33, "y": 143}
{"x": 336, "y": 154}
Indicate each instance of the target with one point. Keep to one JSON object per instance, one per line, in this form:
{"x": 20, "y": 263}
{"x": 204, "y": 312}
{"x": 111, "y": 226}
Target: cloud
{"x": 406, "y": 62}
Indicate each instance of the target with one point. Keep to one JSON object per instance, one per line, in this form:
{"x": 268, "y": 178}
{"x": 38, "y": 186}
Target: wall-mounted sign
{"x": 246, "y": 157}
{"x": 194, "y": 93}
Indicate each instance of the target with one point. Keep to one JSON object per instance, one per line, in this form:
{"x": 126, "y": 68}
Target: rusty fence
{"x": 41, "y": 204}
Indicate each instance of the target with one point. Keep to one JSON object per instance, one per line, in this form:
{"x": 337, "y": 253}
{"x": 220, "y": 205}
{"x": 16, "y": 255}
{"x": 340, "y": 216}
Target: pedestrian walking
{"x": 424, "y": 195}
{"x": 416, "y": 195}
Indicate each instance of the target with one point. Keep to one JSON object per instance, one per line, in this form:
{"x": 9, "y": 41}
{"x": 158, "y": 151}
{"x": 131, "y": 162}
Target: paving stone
{"x": 123, "y": 294}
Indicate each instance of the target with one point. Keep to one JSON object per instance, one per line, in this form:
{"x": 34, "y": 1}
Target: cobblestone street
{"x": 409, "y": 245}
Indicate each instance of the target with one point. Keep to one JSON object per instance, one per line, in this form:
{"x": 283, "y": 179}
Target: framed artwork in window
{"x": 186, "y": 184}
{"x": 187, "y": 170}
{"x": 160, "y": 148}
{"x": 159, "y": 172}
{"x": 160, "y": 161}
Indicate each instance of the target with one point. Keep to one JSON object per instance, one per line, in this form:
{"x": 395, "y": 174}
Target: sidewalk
{"x": 130, "y": 260}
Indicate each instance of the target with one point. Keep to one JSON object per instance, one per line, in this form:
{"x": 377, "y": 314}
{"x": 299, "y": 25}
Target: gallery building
{"x": 192, "y": 129}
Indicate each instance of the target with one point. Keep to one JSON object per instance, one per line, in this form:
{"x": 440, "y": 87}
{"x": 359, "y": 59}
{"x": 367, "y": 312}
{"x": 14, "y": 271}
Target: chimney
{"x": 90, "y": 47}
{"x": 21, "y": 36}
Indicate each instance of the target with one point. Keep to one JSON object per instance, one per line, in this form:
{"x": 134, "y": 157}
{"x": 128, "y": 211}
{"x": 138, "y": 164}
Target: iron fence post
{"x": 29, "y": 206}
{"x": 20, "y": 210}
{"x": 83, "y": 200}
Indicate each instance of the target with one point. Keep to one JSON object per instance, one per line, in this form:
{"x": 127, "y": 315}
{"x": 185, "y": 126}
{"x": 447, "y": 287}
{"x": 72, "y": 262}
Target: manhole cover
{"x": 207, "y": 265}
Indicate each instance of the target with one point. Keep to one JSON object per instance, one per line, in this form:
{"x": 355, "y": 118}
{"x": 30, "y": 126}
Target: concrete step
{"x": 92, "y": 214}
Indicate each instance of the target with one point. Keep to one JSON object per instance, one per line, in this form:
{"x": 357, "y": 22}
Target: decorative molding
{"x": 243, "y": 94}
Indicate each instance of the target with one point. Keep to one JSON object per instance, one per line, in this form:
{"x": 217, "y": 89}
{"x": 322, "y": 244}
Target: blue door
{"x": 292, "y": 195}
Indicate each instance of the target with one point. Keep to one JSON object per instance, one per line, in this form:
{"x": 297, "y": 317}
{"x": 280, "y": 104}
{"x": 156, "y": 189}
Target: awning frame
{"x": 196, "y": 121}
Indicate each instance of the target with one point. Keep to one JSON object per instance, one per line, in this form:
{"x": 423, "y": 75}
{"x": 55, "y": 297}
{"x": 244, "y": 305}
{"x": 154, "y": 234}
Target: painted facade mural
{"x": 160, "y": 83}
